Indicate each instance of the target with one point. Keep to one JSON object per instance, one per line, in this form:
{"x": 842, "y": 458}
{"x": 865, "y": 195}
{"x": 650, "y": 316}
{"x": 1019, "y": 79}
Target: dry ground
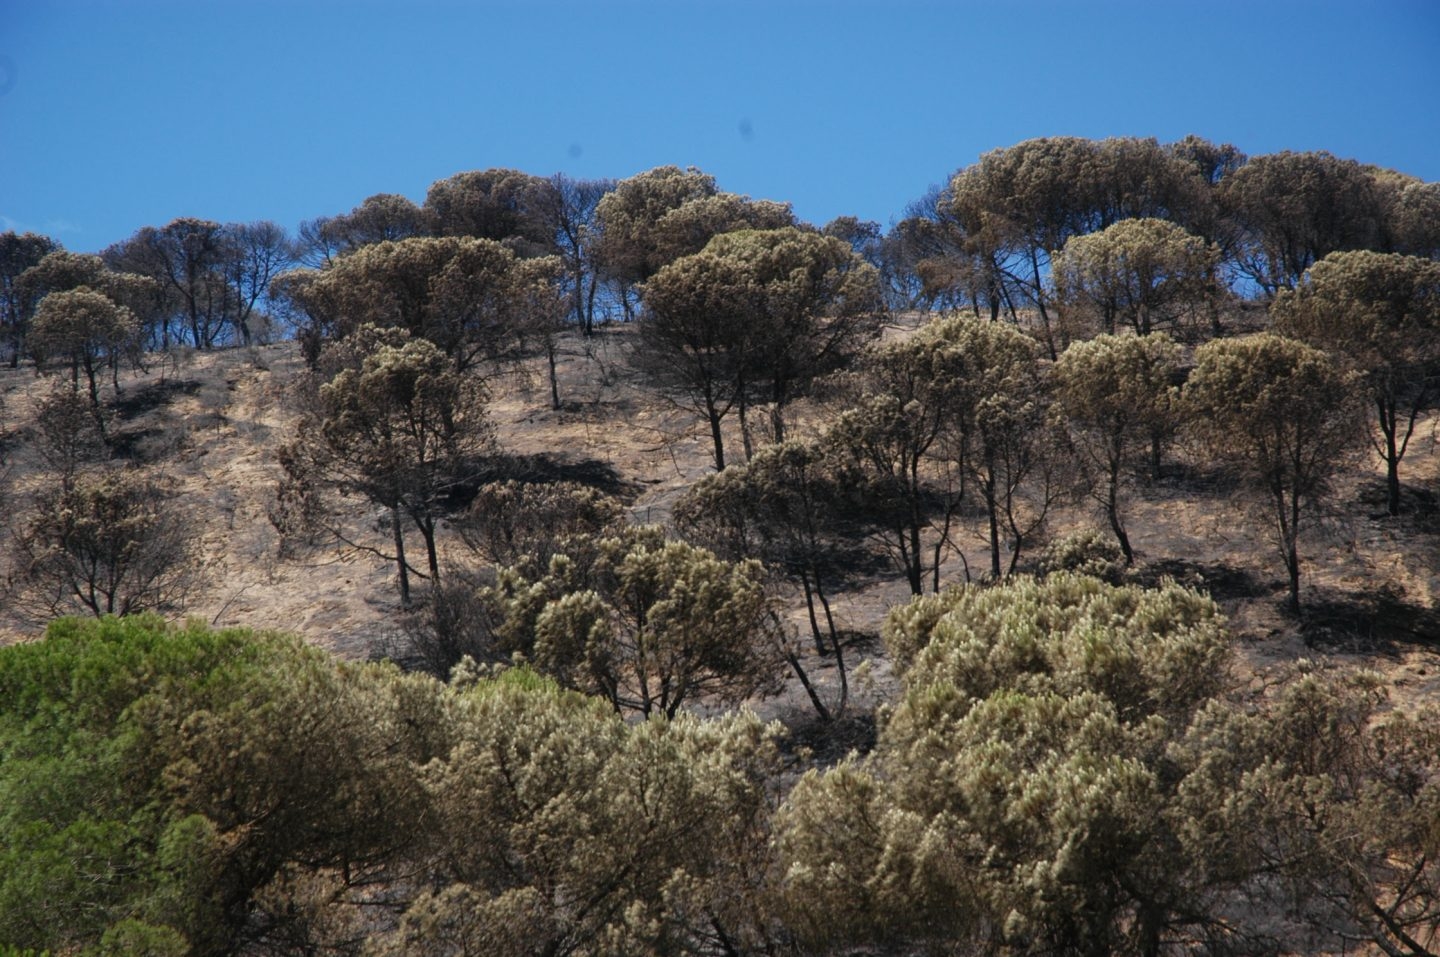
{"x": 212, "y": 422}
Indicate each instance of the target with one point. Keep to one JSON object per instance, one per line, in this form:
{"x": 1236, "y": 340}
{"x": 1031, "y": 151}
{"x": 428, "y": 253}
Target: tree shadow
{"x": 1220, "y": 581}
{"x": 1195, "y": 479}
{"x": 152, "y": 396}
{"x": 1369, "y": 622}
{"x": 1419, "y": 507}
{"x": 141, "y": 446}
{"x": 542, "y": 469}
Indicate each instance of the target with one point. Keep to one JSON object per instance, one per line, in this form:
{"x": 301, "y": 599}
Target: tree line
{"x": 404, "y": 310}
{"x": 984, "y": 239}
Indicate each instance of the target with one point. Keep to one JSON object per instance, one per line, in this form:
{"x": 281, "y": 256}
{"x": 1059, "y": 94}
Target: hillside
{"x": 212, "y": 422}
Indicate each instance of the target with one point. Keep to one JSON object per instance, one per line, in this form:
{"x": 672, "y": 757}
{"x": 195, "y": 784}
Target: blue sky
{"x": 115, "y": 115}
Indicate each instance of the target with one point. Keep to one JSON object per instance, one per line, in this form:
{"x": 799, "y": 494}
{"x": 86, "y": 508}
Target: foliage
{"x": 211, "y": 281}
{"x": 405, "y": 430}
{"x": 1336, "y": 791}
{"x": 83, "y": 329}
{"x": 157, "y": 780}
{"x": 786, "y": 508}
{"x": 115, "y": 542}
{"x": 468, "y": 296}
{"x": 68, "y": 433}
{"x": 521, "y": 525}
{"x": 501, "y": 205}
{"x": 818, "y": 304}
{"x": 1143, "y": 272}
{"x": 1019, "y": 204}
{"x": 1022, "y": 797}
{"x": 898, "y": 433}
{"x": 1010, "y": 451}
{"x": 18, "y": 253}
{"x": 1415, "y": 213}
{"x": 656, "y": 217}
{"x": 1294, "y": 209}
{"x": 1084, "y": 552}
{"x": 1378, "y": 313}
{"x": 646, "y": 624}
{"x": 572, "y": 214}
{"x": 187, "y": 791}
{"x": 1116, "y": 393}
{"x": 962, "y": 403}
{"x": 384, "y": 217}
{"x": 525, "y": 524}
{"x": 558, "y": 828}
{"x": 756, "y": 311}
{"x": 1284, "y": 416}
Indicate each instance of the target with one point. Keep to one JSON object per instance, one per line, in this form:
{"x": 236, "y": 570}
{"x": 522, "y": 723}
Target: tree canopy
{"x": 471, "y": 297}
{"x": 1281, "y": 413}
{"x": 1380, "y": 314}
{"x": 403, "y": 429}
{"x": 647, "y": 625}
{"x": 655, "y": 217}
{"x": 1021, "y": 796}
{"x": 1145, "y": 273}
{"x": 756, "y": 315}
{"x": 83, "y": 329}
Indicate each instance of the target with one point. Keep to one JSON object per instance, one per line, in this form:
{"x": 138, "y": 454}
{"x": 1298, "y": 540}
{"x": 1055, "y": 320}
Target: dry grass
{"x": 212, "y": 422}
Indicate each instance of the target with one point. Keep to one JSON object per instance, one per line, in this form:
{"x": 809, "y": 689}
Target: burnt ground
{"x": 212, "y": 423}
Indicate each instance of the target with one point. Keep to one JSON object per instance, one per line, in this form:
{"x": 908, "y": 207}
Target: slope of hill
{"x": 211, "y": 423}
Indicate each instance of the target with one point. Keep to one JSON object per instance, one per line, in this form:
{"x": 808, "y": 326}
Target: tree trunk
{"x": 399, "y": 535}
{"x": 1292, "y": 565}
{"x": 589, "y": 324}
{"x": 1113, "y": 514}
{"x": 747, "y": 441}
{"x": 1389, "y": 427}
{"x": 550, "y": 349}
{"x": 777, "y": 420}
{"x": 810, "y": 609}
{"x": 716, "y": 437}
{"x": 800, "y": 673}
{"x": 94, "y": 386}
{"x": 839, "y": 650}
{"x": 993, "y": 508}
{"x": 914, "y": 567}
{"x": 1112, "y": 509}
{"x": 432, "y": 559}
{"x": 1044, "y": 313}
{"x": 1392, "y": 483}
{"x": 914, "y": 564}
{"x": 1290, "y": 545}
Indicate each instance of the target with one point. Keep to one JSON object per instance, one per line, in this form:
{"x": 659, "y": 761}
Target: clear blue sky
{"x": 115, "y": 115}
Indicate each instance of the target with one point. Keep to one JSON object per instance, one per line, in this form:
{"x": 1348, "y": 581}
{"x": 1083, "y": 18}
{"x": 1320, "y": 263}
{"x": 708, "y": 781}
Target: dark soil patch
{"x": 152, "y": 396}
{"x": 1196, "y": 480}
{"x": 542, "y": 469}
{"x": 142, "y": 446}
{"x": 822, "y": 744}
